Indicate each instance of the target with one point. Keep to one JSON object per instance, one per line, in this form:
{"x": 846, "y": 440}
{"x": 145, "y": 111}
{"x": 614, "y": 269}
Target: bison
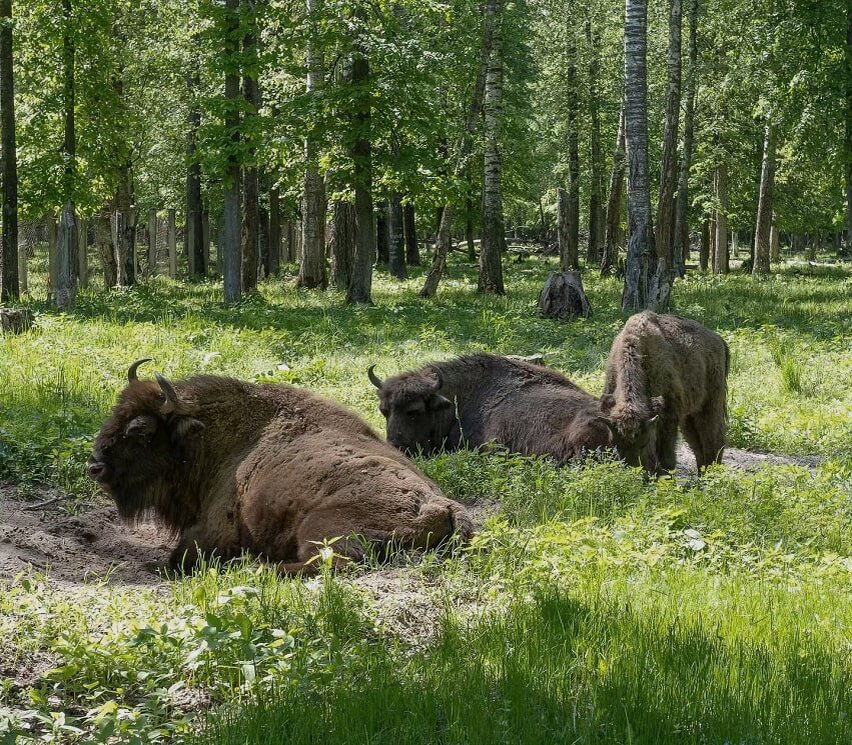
{"x": 233, "y": 467}
{"x": 473, "y": 400}
{"x": 666, "y": 372}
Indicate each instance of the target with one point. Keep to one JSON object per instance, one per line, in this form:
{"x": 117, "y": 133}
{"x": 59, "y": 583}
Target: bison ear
{"x": 141, "y": 426}
{"x": 440, "y": 403}
{"x": 607, "y": 401}
{"x": 658, "y": 403}
{"x": 187, "y": 428}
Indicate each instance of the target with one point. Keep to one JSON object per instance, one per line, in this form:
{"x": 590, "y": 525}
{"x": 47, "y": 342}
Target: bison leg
{"x": 666, "y": 444}
{"x": 708, "y": 429}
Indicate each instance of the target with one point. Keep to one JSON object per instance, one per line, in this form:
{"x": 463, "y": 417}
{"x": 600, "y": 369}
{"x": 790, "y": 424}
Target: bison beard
{"x": 471, "y": 401}
{"x": 666, "y": 372}
{"x": 230, "y": 467}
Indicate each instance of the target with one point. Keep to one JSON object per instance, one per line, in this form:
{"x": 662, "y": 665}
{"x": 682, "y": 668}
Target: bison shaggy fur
{"x": 665, "y": 373}
{"x": 478, "y": 399}
{"x": 233, "y": 467}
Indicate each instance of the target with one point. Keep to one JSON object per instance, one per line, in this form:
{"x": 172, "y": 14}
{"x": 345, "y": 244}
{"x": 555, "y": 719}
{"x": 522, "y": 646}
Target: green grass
{"x": 595, "y": 606}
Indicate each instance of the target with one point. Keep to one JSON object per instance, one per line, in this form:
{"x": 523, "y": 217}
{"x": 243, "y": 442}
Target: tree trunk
{"x": 613, "y": 206}
{"x": 9, "y": 279}
{"x": 681, "y": 229}
{"x": 312, "y": 269}
{"x": 65, "y": 270}
{"x": 764, "y": 204}
{"x": 665, "y": 237}
{"x": 195, "y": 230}
{"x": 640, "y": 291}
{"x": 273, "y": 263}
{"x": 250, "y": 206}
{"x": 569, "y": 254}
{"x": 848, "y": 138}
{"x": 262, "y": 241}
{"x": 567, "y": 262}
{"x": 445, "y": 222}
{"x": 493, "y": 235}
{"x": 229, "y": 245}
{"x": 412, "y": 251}
{"x": 720, "y": 252}
{"x": 65, "y": 285}
{"x": 774, "y": 247}
{"x": 593, "y": 254}
{"x": 361, "y": 282}
{"x": 344, "y": 238}
{"x": 704, "y": 251}
{"x": 396, "y": 236}
{"x": 382, "y": 235}
{"x": 468, "y": 230}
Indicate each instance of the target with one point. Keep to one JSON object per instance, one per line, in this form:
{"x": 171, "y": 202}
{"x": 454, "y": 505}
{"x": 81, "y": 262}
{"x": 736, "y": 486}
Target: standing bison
{"x": 470, "y": 401}
{"x": 229, "y": 466}
{"x": 666, "y": 372}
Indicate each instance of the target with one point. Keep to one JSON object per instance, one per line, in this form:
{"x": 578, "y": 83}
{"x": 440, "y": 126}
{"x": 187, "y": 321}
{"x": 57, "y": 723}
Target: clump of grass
{"x": 565, "y": 668}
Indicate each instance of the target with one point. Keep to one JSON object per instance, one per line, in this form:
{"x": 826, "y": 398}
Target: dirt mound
{"x": 73, "y": 549}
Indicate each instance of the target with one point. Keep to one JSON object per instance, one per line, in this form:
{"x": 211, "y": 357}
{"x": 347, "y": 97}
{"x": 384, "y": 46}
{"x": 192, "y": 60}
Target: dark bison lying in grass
{"x": 482, "y": 398}
{"x": 666, "y": 372}
{"x": 270, "y": 469}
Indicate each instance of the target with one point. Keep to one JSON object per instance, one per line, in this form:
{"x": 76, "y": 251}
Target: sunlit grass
{"x": 595, "y": 606}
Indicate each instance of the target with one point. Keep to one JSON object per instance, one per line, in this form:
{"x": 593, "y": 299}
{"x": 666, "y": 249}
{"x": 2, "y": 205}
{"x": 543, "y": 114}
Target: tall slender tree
{"x": 668, "y": 168}
{"x": 680, "y": 249}
{"x": 570, "y": 251}
{"x": 65, "y": 275}
{"x": 847, "y": 149}
{"x": 9, "y": 281}
{"x": 195, "y": 229}
{"x": 596, "y": 232}
{"x": 613, "y": 205}
{"x": 474, "y": 108}
{"x": 361, "y": 278}
{"x": 312, "y": 271}
{"x": 493, "y": 236}
{"x": 763, "y": 228}
{"x": 250, "y": 204}
{"x": 639, "y": 279}
{"x": 230, "y": 250}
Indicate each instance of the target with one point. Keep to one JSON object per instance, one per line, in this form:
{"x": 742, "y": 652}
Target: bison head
{"x": 419, "y": 418}
{"x": 145, "y": 448}
{"x": 634, "y": 434}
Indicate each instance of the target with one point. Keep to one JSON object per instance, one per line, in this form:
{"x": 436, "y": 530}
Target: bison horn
{"x": 131, "y": 371}
{"x": 440, "y": 378}
{"x": 169, "y": 392}
{"x": 374, "y": 379}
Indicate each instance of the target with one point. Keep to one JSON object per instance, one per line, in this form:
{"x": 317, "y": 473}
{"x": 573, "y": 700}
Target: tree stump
{"x": 563, "y": 298}
{"x": 14, "y": 321}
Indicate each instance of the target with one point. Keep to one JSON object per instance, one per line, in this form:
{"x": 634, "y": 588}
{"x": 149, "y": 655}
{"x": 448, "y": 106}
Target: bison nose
{"x": 95, "y": 469}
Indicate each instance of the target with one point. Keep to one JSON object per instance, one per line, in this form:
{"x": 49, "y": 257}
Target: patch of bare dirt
{"x": 745, "y": 460}
{"x": 73, "y": 549}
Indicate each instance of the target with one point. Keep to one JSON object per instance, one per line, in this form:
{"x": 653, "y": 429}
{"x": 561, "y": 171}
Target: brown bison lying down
{"x": 471, "y": 401}
{"x": 270, "y": 469}
{"x": 666, "y": 372}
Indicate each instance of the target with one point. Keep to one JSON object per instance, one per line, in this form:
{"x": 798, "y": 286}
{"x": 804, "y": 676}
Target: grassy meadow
{"x": 594, "y": 606}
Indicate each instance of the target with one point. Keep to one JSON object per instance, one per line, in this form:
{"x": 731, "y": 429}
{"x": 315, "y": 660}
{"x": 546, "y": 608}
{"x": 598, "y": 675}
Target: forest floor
{"x": 594, "y": 605}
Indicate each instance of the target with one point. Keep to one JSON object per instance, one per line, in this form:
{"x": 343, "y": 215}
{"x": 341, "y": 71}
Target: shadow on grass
{"x": 560, "y": 670}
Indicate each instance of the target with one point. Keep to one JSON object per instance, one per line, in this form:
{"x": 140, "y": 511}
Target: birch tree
{"x": 493, "y": 237}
